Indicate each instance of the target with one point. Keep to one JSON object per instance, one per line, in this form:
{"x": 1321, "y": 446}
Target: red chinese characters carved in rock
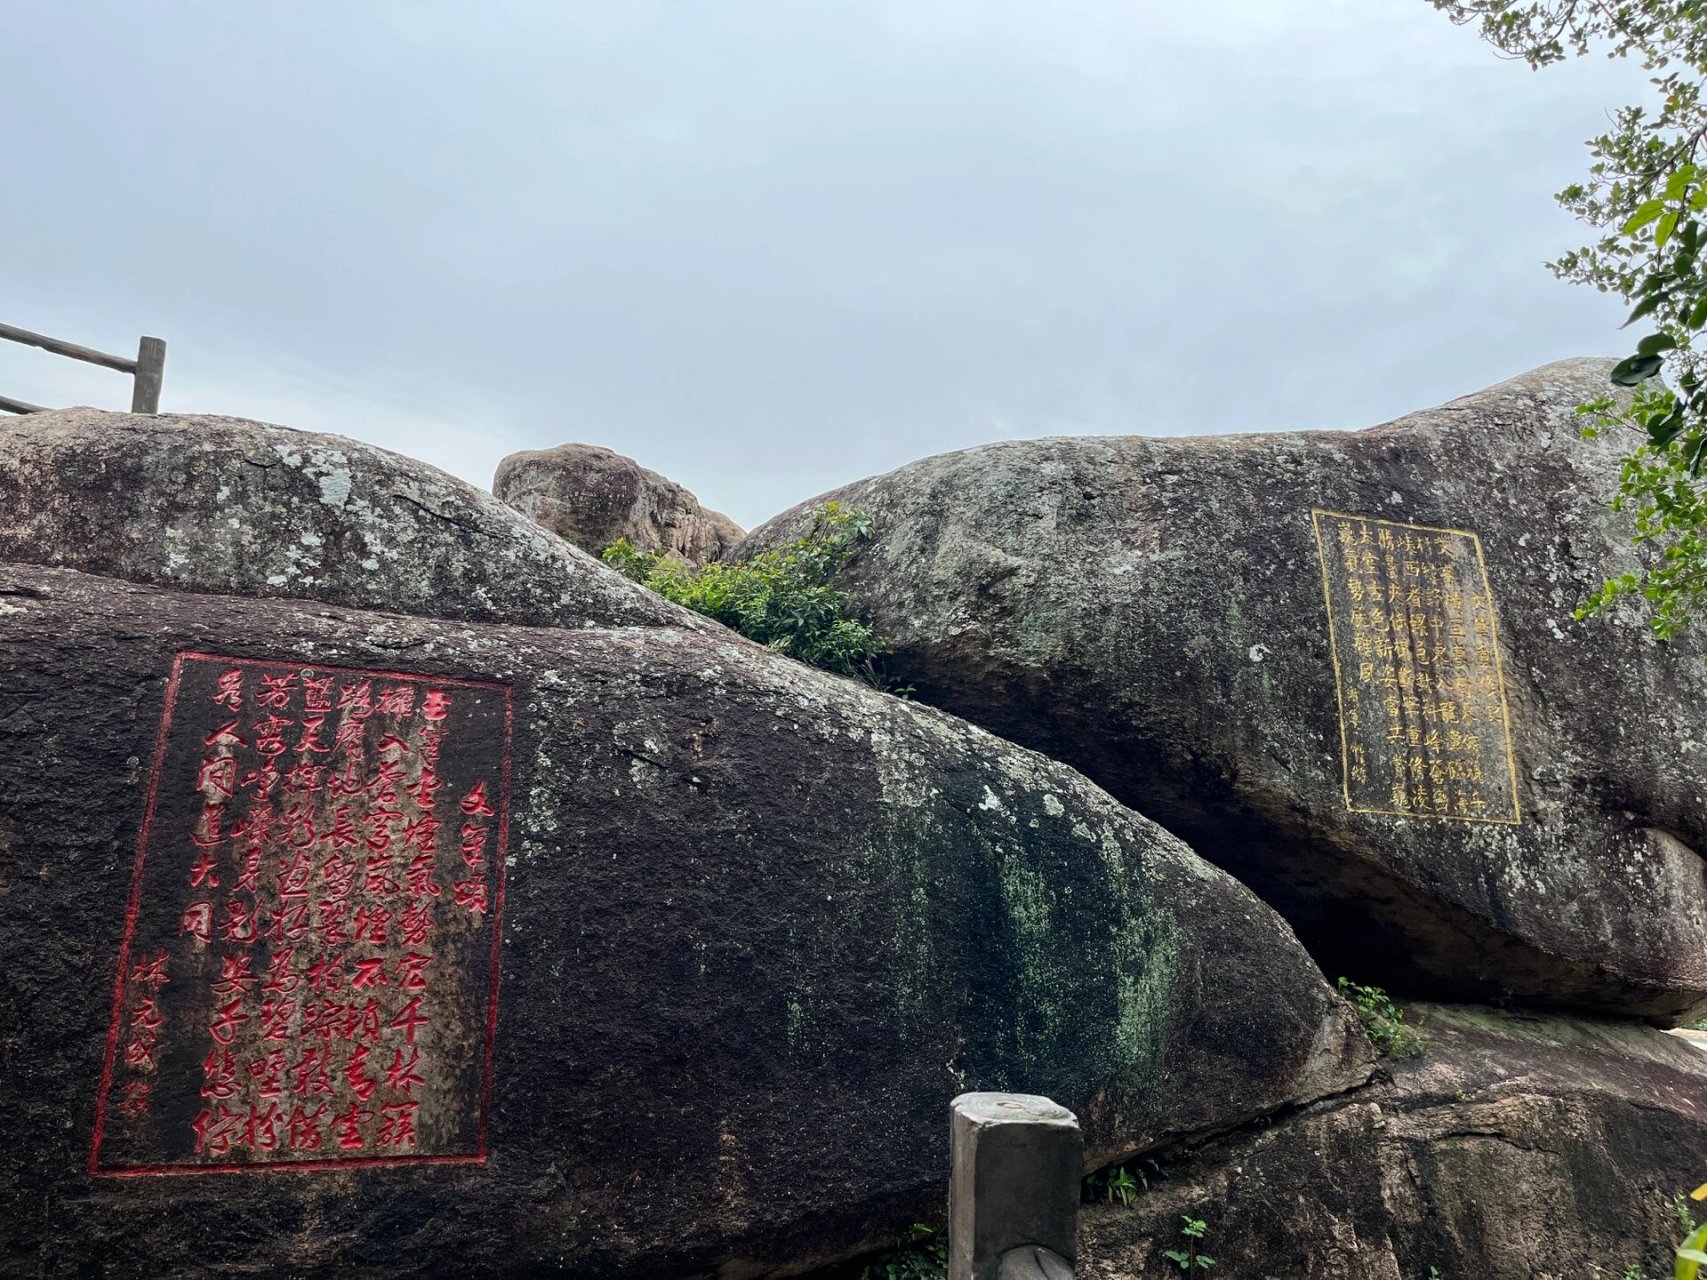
{"x": 309, "y": 969}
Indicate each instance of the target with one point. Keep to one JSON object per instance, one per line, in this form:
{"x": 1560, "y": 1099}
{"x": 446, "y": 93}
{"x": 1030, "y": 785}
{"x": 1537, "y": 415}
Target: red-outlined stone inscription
{"x": 309, "y": 972}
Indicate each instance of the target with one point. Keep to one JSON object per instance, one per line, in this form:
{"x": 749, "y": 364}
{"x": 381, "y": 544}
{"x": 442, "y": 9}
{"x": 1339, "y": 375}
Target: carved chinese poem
{"x": 309, "y": 972}
{"x": 1425, "y": 729}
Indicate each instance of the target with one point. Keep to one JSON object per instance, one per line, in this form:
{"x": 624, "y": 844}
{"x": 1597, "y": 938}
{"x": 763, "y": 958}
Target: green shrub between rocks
{"x": 920, "y": 1253}
{"x": 785, "y": 598}
{"x": 1383, "y": 1021}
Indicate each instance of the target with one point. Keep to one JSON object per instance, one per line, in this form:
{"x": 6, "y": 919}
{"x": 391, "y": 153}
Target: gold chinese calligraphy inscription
{"x": 1425, "y": 729}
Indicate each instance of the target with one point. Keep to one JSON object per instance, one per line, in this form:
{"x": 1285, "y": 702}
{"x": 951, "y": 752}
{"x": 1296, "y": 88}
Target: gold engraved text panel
{"x": 1425, "y": 728}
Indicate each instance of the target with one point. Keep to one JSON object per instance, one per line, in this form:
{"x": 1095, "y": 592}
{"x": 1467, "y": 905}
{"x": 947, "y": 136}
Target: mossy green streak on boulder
{"x": 1078, "y": 973}
{"x": 761, "y": 923}
{"x": 1152, "y": 611}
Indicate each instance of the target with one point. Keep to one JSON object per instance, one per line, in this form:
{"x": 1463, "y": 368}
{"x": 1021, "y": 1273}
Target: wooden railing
{"x": 147, "y": 369}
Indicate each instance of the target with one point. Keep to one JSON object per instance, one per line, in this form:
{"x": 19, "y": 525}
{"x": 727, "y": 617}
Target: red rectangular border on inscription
{"x": 124, "y": 992}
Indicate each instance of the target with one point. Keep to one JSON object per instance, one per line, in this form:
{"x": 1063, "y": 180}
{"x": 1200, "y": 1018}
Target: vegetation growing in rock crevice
{"x": 1692, "y": 1253}
{"x": 1191, "y": 1235}
{"x": 1383, "y": 1021}
{"x": 1121, "y": 1183}
{"x": 920, "y": 1253}
{"x": 785, "y": 598}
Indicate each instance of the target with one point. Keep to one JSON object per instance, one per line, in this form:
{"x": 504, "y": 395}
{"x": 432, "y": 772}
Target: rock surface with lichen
{"x": 760, "y": 923}
{"x": 1152, "y": 611}
{"x": 212, "y": 504}
{"x": 1548, "y": 1148}
{"x": 594, "y": 497}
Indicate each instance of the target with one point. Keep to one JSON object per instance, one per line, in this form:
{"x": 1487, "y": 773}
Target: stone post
{"x": 1013, "y": 1202}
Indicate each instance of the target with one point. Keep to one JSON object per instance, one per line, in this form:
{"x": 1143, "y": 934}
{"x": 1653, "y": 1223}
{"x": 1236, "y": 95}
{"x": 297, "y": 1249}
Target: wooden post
{"x": 1013, "y": 1202}
{"x": 150, "y": 370}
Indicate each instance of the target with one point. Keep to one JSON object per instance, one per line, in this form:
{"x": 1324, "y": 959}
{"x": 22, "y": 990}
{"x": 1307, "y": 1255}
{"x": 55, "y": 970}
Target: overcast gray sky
{"x": 769, "y": 246}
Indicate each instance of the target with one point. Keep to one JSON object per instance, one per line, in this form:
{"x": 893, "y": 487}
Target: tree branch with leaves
{"x": 1646, "y": 194}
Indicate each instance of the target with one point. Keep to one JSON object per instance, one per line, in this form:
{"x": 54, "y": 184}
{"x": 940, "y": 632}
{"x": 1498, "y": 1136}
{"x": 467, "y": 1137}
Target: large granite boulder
{"x": 594, "y": 496}
{"x": 204, "y": 503}
{"x": 1514, "y": 1148}
{"x": 1295, "y": 652}
{"x": 354, "y": 942}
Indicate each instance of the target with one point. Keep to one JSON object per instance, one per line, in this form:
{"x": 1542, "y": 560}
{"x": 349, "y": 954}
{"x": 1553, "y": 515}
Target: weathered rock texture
{"x": 594, "y": 496}
{"x": 760, "y": 925}
{"x": 1515, "y": 1148}
{"x": 1152, "y": 611}
{"x": 211, "y": 504}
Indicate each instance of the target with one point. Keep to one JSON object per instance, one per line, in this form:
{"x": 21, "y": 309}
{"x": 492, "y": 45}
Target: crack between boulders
{"x": 1267, "y": 1120}
{"x": 1655, "y": 1107}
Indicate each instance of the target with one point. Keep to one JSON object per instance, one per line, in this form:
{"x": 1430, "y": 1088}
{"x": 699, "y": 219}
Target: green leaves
{"x": 786, "y": 598}
{"x": 1657, "y": 211}
{"x": 1663, "y": 488}
{"x": 1383, "y": 1021}
{"x": 1647, "y": 212}
{"x": 1121, "y": 1183}
{"x": 1645, "y": 197}
{"x": 919, "y": 1254}
{"x": 1662, "y": 431}
{"x": 1647, "y": 306}
{"x": 1188, "y": 1258}
{"x": 1690, "y": 1255}
{"x": 1627, "y": 373}
{"x": 1122, "y": 1186}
